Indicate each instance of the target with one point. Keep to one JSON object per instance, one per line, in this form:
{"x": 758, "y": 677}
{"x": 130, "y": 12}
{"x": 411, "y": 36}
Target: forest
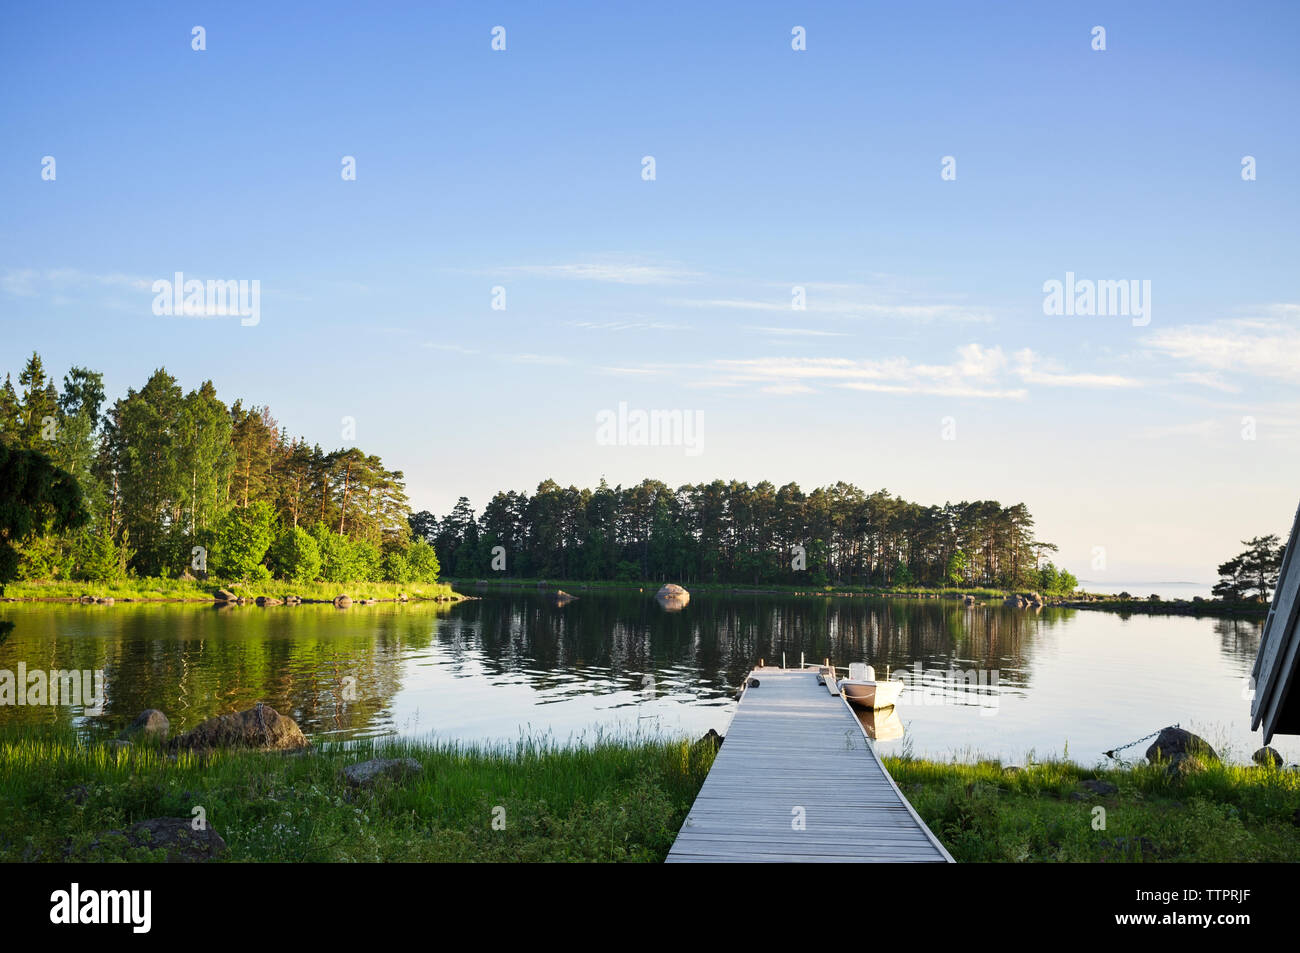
{"x": 731, "y": 532}
{"x": 175, "y": 484}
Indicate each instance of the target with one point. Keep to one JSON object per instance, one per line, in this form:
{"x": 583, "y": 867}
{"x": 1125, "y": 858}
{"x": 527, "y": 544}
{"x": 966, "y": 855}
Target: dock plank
{"x": 797, "y": 781}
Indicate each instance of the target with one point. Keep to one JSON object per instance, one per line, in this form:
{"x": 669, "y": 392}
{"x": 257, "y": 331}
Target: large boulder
{"x": 1181, "y": 750}
{"x": 177, "y": 836}
{"x": 260, "y": 727}
{"x": 342, "y": 602}
{"x": 224, "y": 595}
{"x": 367, "y": 772}
{"x": 672, "y": 597}
{"x": 150, "y": 725}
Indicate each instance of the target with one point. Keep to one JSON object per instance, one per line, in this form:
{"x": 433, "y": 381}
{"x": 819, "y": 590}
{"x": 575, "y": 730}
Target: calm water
{"x": 1067, "y": 681}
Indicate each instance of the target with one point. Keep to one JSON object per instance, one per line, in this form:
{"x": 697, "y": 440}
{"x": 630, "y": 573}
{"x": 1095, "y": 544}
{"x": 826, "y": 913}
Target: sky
{"x": 921, "y": 174}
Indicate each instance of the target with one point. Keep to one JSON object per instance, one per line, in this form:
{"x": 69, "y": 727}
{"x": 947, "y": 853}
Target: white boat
{"x": 861, "y": 689}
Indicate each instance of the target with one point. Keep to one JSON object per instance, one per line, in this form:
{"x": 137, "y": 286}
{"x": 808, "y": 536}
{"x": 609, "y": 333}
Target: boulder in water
{"x": 260, "y": 727}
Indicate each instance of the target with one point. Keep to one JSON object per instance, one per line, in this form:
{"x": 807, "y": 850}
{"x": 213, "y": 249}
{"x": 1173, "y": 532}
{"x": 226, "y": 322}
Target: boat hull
{"x": 871, "y": 695}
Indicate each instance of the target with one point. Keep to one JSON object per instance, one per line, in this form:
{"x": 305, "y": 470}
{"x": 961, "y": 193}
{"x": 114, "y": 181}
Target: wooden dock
{"x": 797, "y": 780}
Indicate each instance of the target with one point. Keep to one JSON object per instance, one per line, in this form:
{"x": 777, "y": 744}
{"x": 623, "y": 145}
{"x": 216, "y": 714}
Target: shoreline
{"x": 204, "y": 592}
{"x": 982, "y": 596}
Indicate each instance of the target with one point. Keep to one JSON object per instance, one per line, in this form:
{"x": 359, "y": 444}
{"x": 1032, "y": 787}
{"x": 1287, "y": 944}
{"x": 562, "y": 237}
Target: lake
{"x": 989, "y": 681}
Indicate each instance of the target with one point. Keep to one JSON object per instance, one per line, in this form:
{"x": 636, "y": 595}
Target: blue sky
{"x": 774, "y": 169}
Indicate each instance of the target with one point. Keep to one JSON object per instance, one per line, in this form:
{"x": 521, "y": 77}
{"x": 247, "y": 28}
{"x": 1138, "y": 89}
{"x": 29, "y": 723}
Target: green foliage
{"x": 422, "y": 561}
{"x": 97, "y": 558}
{"x": 396, "y": 567}
{"x": 240, "y": 543}
{"x": 1252, "y": 574}
{"x": 35, "y": 496}
{"x": 295, "y": 556}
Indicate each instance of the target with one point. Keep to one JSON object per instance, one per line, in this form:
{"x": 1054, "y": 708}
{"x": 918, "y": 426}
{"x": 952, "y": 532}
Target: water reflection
{"x": 986, "y": 679}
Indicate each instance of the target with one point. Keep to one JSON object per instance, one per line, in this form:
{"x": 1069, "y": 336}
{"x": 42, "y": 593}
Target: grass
{"x": 186, "y": 590}
{"x": 609, "y": 801}
{"x": 983, "y": 812}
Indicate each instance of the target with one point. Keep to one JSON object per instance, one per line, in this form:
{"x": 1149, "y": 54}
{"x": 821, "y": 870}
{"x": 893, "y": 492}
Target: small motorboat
{"x": 861, "y": 689}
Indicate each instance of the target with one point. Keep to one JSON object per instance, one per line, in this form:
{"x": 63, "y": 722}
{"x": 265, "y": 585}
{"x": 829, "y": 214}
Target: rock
{"x": 673, "y": 597}
{"x": 104, "y": 601}
{"x": 87, "y": 600}
{"x": 1178, "y": 741}
{"x": 1183, "y": 751}
{"x": 1268, "y": 756}
{"x": 342, "y": 602}
{"x": 403, "y": 597}
{"x": 969, "y": 600}
{"x": 1015, "y": 601}
{"x": 259, "y": 727}
{"x": 149, "y": 725}
{"x": 224, "y": 595}
{"x": 293, "y": 600}
{"x": 178, "y": 838}
{"x": 711, "y": 738}
{"x": 1100, "y": 787}
{"x": 269, "y": 601}
{"x": 562, "y": 598}
{"x": 366, "y": 772}
{"x": 1033, "y": 598}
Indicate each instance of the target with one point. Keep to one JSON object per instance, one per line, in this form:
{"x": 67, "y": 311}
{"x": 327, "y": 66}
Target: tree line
{"x": 733, "y": 532}
{"x": 175, "y": 482}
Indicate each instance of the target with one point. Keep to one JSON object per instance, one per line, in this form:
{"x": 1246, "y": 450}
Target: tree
{"x": 35, "y": 496}
{"x": 240, "y": 543}
{"x": 422, "y": 561}
{"x": 294, "y": 556}
{"x": 1253, "y": 573}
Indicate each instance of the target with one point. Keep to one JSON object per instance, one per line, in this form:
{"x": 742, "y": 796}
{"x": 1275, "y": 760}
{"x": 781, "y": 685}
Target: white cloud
{"x": 1032, "y": 369}
{"x": 1265, "y": 347}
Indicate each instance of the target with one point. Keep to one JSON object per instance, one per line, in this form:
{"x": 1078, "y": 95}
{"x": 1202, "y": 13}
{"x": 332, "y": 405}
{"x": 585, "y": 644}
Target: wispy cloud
{"x": 976, "y": 371}
{"x": 1032, "y": 369}
{"x": 1267, "y": 346}
{"x": 628, "y": 272}
{"x": 847, "y": 300}
{"x": 798, "y": 332}
{"x": 30, "y": 282}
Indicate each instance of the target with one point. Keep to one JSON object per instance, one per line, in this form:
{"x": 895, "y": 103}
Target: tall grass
{"x": 1042, "y": 812}
{"x": 604, "y": 801}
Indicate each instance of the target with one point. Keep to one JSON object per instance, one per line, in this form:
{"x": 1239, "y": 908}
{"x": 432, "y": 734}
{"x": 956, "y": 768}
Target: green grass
{"x": 154, "y": 589}
{"x": 606, "y": 801}
{"x": 609, "y": 801}
{"x": 1225, "y": 813}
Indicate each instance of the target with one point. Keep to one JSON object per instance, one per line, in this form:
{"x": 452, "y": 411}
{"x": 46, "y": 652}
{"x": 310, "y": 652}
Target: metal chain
{"x": 1111, "y": 752}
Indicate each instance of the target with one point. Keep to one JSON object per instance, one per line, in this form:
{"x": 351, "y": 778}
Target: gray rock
{"x": 149, "y": 725}
{"x": 224, "y": 595}
{"x": 342, "y": 602}
{"x": 260, "y": 727}
{"x": 177, "y": 837}
{"x": 1177, "y": 745}
{"x": 1268, "y": 755}
{"x": 367, "y": 772}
